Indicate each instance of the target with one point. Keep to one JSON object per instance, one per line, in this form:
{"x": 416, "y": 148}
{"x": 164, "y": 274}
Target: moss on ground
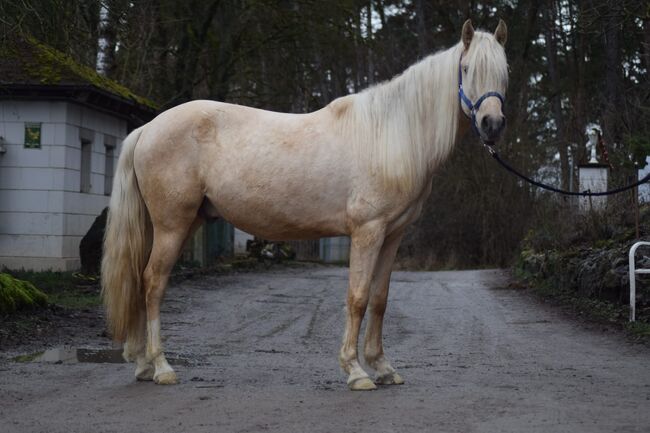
{"x": 65, "y": 289}
{"x": 18, "y": 294}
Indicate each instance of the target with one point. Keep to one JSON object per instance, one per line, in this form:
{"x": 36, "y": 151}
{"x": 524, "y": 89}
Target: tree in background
{"x": 572, "y": 63}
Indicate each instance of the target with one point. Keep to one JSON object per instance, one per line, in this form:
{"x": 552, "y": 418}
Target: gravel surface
{"x": 257, "y": 352}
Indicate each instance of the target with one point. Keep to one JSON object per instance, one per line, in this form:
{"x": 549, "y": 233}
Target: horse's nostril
{"x": 501, "y": 123}
{"x": 485, "y": 123}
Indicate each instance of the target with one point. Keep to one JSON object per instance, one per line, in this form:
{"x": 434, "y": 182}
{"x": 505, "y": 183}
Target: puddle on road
{"x": 74, "y": 355}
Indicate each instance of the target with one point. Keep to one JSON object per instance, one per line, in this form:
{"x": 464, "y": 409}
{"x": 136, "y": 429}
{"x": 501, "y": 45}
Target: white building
{"x": 61, "y": 127}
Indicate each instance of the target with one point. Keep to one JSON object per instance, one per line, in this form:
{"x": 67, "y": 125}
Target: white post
{"x": 632, "y": 282}
{"x": 633, "y": 273}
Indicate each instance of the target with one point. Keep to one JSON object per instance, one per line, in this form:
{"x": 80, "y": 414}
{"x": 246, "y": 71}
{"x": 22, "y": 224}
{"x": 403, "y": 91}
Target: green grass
{"x": 75, "y": 299}
{"x": 27, "y": 358}
{"x": 639, "y": 329}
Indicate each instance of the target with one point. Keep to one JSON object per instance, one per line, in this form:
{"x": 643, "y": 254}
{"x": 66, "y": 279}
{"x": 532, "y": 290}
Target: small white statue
{"x": 592, "y": 144}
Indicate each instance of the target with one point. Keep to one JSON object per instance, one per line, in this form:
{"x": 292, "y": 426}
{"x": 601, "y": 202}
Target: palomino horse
{"x": 362, "y": 166}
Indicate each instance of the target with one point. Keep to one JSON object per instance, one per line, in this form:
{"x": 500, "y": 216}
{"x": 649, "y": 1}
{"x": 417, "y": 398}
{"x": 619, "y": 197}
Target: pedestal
{"x": 593, "y": 177}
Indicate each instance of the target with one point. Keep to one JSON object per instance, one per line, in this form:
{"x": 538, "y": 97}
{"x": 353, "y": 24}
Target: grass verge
{"x": 596, "y": 310}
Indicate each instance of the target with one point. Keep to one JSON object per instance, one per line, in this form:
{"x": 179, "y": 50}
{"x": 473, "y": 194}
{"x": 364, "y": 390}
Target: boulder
{"x": 91, "y": 246}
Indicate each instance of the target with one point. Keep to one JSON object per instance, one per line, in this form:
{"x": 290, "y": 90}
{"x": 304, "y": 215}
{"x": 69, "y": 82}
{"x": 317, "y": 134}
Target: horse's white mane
{"x": 407, "y": 126}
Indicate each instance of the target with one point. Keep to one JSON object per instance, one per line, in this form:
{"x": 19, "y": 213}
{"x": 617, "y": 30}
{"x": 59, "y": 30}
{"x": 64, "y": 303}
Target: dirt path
{"x": 257, "y": 352}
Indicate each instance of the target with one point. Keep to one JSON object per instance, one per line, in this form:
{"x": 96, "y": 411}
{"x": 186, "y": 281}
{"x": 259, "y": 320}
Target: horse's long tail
{"x": 127, "y": 244}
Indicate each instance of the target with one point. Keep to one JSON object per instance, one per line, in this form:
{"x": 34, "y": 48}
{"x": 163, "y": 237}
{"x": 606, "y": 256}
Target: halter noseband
{"x": 473, "y": 108}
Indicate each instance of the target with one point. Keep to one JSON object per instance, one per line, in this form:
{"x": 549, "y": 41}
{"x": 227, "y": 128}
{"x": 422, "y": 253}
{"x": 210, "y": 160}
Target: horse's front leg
{"x": 366, "y": 244}
{"x": 373, "y": 346}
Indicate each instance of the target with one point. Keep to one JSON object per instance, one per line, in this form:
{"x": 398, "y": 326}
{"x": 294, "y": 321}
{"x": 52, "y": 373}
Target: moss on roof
{"x": 25, "y": 60}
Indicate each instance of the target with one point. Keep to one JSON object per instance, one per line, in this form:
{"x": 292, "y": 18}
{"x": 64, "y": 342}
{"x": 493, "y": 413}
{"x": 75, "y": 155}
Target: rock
{"x": 91, "y": 245}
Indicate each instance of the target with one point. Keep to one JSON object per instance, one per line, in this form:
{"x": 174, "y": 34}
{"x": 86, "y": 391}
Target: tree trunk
{"x": 423, "y": 49}
{"x": 579, "y": 120}
{"x": 371, "y": 63}
{"x": 613, "y": 85}
{"x": 550, "y": 15}
{"x": 189, "y": 50}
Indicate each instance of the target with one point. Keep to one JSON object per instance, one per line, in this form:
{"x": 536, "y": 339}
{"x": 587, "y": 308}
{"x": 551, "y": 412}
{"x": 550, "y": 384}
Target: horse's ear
{"x": 468, "y": 33}
{"x": 501, "y": 33}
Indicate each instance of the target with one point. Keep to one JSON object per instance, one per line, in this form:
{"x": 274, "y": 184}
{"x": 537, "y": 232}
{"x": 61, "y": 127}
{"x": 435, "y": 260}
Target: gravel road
{"x": 256, "y": 352}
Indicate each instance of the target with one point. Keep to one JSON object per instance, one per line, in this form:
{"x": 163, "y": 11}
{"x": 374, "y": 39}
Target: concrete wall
{"x": 241, "y": 237}
{"x": 43, "y": 214}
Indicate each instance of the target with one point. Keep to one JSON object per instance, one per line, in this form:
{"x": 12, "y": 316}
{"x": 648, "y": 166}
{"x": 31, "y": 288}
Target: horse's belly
{"x": 279, "y": 216}
{"x": 272, "y": 226}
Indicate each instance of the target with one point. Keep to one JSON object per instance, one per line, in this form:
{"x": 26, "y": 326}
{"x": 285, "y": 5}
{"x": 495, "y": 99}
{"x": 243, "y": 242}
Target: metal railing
{"x": 633, "y": 274}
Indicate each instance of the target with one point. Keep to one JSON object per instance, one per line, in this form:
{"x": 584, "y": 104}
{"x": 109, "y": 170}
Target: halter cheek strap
{"x": 473, "y": 107}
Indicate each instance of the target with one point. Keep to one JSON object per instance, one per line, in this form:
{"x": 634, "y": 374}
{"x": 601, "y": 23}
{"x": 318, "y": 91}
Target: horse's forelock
{"x": 487, "y": 64}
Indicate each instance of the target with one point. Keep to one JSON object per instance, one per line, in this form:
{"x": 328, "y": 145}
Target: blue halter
{"x": 473, "y": 108}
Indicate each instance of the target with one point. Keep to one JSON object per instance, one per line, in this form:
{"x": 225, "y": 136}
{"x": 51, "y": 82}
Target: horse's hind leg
{"x": 373, "y": 347}
{"x": 136, "y": 348}
{"x": 167, "y": 244}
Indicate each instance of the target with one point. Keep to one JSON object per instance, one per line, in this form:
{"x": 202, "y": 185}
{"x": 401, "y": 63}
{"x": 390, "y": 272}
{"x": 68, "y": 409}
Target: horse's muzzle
{"x": 493, "y": 126}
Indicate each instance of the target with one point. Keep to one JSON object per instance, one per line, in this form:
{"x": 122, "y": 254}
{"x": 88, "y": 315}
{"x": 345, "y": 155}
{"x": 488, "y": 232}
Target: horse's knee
{"x": 357, "y": 304}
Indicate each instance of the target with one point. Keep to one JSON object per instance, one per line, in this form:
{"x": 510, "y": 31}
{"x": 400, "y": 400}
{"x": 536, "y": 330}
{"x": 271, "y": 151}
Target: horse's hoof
{"x": 390, "y": 379}
{"x": 362, "y": 384}
{"x": 144, "y": 374}
{"x": 167, "y": 378}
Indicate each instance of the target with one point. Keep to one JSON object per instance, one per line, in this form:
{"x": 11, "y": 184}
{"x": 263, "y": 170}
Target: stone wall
{"x": 596, "y": 273}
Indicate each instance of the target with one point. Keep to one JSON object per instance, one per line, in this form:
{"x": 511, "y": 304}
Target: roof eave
{"x": 91, "y": 96}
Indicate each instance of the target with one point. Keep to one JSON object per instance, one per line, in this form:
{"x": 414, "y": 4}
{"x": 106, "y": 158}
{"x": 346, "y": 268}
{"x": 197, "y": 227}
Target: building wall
{"x": 241, "y": 237}
{"x": 43, "y": 213}
{"x": 335, "y": 249}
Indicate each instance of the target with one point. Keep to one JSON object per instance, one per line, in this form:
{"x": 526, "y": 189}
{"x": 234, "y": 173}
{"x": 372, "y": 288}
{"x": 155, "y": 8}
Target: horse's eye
{"x": 465, "y": 69}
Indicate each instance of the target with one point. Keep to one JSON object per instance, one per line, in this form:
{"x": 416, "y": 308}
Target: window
{"x": 109, "y": 147}
{"x": 86, "y": 138}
